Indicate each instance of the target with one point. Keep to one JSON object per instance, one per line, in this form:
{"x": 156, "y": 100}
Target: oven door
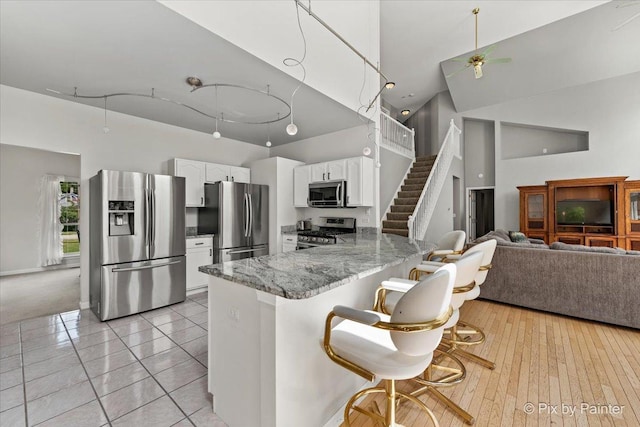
{"x": 305, "y": 245}
{"x": 328, "y": 194}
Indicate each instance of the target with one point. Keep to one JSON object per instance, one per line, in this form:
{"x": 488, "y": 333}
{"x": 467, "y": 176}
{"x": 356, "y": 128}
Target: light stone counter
{"x": 267, "y": 367}
{"x": 310, "y": 272}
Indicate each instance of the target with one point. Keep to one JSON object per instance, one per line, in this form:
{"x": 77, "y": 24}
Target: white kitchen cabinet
{"x": 360, "y": 173}
{"x": 193, "y": 172}
{"x": 216, "y": 172}
{"x": 289, "y": 242}
{"x": 199, "y": 253}
{"x": 328, "y": 171}
{"x": 301, "y": 179}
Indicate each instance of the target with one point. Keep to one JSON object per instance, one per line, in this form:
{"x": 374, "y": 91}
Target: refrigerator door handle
{"x": 244, "y": 251}
{"x": 250, "y": 214}
{"x": 144, "y": 267}
{"x": 246, "y": 214}
{"x": 153, "y": 217}
{"x": 147, "y": 207}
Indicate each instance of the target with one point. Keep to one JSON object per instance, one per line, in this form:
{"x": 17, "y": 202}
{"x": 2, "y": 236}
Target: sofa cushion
{"x": 517, "y": 237}
{"x": 581, "y": 248}
{"x": 502, "y": 239}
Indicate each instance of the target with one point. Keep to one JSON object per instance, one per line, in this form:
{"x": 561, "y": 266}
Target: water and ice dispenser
{"x": 121, "y": 217}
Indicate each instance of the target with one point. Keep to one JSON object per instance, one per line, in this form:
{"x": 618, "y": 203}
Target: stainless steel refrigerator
{"x": 237, "y": 215}
{"x": 137, "y": 242}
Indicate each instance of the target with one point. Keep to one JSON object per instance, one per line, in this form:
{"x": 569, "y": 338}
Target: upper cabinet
{"x": 359, "y": 181}
{"x": 357, "y": 172}
{"x": 328, "y": 171}
{"x": 301, "y": 179}
{"x": 216, "y": 172}
{"x": 194, "y": 175}
{"x": 198, "y": 173}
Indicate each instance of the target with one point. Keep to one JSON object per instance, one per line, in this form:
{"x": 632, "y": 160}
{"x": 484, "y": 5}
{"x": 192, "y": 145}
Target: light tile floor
{"x": 70, "y": 369}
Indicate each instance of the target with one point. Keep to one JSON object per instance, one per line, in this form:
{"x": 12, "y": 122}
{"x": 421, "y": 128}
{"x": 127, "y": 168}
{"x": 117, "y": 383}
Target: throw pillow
{"x": 517, "y": 237}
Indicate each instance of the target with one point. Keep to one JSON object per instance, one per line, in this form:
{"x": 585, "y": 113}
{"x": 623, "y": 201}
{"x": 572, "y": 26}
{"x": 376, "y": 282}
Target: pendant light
{"x": 216, "y": 134}
{"x": 105, "y": 129}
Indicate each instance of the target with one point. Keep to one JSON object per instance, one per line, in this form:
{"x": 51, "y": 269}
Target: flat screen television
{"x": 584, "y": 212}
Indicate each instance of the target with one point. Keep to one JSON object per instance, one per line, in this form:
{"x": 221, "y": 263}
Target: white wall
{"x": 268, "y": 29}
{"x": 393, "y": 168}
{"x": 21, "y": 172}
{"x": 333, "y": 146}
{"x": 277, "y": 173}
{"x": 38, "y": 121}
{"x": 609, "y": 110}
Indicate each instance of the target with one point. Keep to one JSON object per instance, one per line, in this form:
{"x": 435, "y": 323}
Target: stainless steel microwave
{"x": 327, "y": 194}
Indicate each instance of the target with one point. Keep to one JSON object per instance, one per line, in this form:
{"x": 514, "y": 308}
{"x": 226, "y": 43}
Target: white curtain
{"x": 50, "y": 227}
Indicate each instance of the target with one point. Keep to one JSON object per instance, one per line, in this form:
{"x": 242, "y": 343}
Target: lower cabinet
{"x": 289, "y": 242}
{"x": 199, "y": 253}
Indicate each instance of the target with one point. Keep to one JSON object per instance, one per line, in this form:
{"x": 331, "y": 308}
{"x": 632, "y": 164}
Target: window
{"x": 70, "y": 216}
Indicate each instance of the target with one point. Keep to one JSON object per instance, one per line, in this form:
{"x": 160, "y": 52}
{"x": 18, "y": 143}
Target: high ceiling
{"x": 112, "y": 46}
{"x": 417, "y": 35}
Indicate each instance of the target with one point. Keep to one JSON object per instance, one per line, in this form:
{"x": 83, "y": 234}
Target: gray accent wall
{"x": 21, "y": 172}
{"x": 608, "y": 110}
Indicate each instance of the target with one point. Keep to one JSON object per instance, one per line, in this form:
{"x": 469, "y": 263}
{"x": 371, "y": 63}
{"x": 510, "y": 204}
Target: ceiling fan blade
{"x": 457, "y": 71}
{"x": 497, "y": 60}
{"x": 488, "y": 50}
{"x": 460, "y": 59}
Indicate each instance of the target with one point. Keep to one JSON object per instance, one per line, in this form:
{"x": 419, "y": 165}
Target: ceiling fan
{"x": 478, "y": 59}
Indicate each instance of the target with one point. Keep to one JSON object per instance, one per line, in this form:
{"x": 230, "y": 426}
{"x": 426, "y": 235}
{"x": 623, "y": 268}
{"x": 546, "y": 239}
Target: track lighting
{"x": 390, "y": 85}
{"x": 405, "y": 112}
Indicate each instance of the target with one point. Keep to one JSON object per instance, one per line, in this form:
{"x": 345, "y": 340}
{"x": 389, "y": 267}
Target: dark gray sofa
{"x": 589, "y": 285}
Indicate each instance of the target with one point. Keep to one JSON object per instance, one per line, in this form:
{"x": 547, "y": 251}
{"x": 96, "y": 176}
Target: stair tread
{"x": 398, "y": 232}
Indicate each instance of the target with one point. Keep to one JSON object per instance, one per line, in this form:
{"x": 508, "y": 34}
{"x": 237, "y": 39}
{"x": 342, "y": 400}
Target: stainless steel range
{"x": 326, "y": 234}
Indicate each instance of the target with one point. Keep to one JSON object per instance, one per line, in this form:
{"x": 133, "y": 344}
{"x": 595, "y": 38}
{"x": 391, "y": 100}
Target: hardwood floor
{"x": 557, "y": 364}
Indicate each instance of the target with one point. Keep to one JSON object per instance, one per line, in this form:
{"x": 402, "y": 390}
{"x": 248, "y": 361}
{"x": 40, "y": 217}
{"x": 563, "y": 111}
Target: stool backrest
{"x": 427, "y": 300}
{"x": 487, "y": 248}
{"x": 467, "y": 269}
{"x": 453, "y": 240}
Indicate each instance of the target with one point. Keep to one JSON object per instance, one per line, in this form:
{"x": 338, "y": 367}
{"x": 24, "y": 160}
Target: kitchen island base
{"x": 267, "y": 366}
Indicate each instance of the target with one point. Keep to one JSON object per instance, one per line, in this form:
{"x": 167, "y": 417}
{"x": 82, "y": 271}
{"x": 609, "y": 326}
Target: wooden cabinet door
{"x": 194, "y": 175}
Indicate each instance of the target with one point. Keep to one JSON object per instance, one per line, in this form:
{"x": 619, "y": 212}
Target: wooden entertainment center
{"x": 587, "y": 211}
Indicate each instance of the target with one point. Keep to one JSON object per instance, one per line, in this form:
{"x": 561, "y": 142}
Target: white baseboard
{"x": 84, "y": 305}
{"x": 38, "y": 269}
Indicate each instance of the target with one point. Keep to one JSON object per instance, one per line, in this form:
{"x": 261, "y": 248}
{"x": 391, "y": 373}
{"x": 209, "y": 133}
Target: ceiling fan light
{"x": 477, "y": 70}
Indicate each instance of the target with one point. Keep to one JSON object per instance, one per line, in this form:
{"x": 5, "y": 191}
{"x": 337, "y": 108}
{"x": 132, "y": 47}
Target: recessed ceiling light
{"x": 390, "y": 85}
{"x": 405, "y": 112}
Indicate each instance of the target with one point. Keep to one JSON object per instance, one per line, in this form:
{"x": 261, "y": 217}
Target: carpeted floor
{"x": 25, "y": 296}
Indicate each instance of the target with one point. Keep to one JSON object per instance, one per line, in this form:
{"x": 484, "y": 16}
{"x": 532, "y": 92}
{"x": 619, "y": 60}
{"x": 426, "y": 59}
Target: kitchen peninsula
{"x": 266, "y": 364}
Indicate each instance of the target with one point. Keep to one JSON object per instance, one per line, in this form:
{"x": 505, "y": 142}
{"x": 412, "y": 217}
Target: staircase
{"x": 405, "y": 203}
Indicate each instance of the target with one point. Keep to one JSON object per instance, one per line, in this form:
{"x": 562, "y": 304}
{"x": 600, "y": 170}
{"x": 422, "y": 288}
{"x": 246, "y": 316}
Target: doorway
{"x": 480, "y": 206}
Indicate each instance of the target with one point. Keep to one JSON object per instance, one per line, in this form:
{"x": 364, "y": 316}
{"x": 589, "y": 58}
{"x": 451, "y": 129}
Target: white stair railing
{"x": 396, "y": 137}
{"x": 421, "y": 216}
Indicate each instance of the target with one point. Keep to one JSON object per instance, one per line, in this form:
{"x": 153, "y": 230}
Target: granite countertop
{"x": 198, "y": 236}
{"x": 309, "y": 272}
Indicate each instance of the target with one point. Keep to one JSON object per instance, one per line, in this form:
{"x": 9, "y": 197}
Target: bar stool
{"x": 464, "y": 334}
{"x": 397, "y": 347}
{"x": 386, "y": 299}
{"x": 449, "y": 244}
